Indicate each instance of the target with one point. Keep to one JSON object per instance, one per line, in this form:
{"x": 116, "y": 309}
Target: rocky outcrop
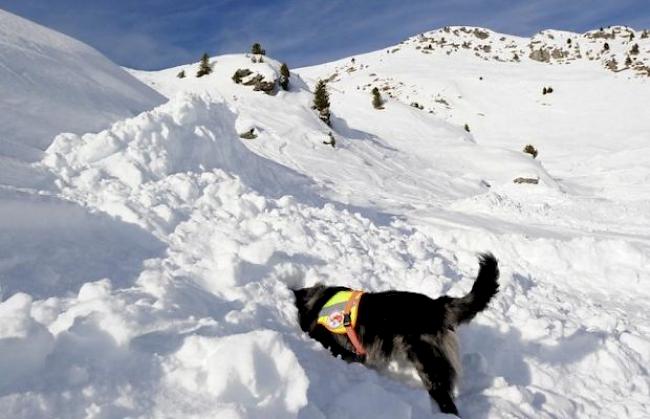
{"x": 541, "y": 55}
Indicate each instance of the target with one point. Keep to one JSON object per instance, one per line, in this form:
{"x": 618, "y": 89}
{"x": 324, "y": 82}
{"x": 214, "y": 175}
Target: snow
{"x": 145, "y": 268}
{"x": 51, "y": 83}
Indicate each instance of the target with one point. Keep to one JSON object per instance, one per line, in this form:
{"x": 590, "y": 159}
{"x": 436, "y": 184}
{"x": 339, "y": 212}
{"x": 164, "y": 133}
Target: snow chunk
{"x": 248, "y": 375}
{"x": 24, "y": 343}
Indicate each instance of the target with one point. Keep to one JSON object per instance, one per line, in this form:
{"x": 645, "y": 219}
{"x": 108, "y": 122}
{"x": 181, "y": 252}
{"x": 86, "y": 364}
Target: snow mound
{"x": 224, "y": 67}
{"x": 250, "y": 375}
{"x": 190, "y": 133}
{"x": 51, "y": 83}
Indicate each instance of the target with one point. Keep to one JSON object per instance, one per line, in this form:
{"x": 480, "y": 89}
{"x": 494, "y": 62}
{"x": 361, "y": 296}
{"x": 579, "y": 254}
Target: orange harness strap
{"x": 349, "y": 329}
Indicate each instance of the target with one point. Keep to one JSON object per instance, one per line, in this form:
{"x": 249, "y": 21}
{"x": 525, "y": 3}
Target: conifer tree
{"x": 257, "y": 49}
{"x": 377, "y": 102}
{"x": 466, "y": 127}
{"x": 204, "y": 66}
{"x": 529, "y": 149}
{"x": 284, "y": 76}
{"x": 322, "y": 101}
{"x": 635, "y": 49}
{"x": 181, "y": 74}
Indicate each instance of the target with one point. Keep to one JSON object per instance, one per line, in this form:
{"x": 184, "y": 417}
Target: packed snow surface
{"x": 145, "y": 270}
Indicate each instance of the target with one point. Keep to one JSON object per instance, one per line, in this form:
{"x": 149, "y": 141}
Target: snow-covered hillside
{"x": 147, "y": 273}
{"x": 51, "y": 83}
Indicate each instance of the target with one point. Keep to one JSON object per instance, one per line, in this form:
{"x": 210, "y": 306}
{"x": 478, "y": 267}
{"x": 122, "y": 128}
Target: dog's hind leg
{"x": 437, "y": 373}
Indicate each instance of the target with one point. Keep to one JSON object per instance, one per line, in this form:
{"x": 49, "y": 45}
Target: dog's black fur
{"x": 396, "y": 324}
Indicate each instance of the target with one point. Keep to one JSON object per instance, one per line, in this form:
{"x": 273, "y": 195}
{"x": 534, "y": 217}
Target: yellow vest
{"x": 332, "y": 314}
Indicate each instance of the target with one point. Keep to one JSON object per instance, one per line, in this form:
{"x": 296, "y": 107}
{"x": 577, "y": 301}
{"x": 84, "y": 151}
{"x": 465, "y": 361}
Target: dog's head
{"x": 307, "y": 303}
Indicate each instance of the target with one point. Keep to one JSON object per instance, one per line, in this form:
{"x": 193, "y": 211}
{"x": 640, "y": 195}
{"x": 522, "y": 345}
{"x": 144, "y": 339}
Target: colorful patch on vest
{"x": 335, "y": 319}
{"x": 332, "y": 314}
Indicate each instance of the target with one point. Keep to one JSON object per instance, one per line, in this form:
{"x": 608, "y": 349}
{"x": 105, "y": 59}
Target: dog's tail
{"x": 462, "y": 310}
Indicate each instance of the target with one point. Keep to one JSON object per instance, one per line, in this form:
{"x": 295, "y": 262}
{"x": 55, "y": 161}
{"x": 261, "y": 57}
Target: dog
{"x": 393, "y": 325}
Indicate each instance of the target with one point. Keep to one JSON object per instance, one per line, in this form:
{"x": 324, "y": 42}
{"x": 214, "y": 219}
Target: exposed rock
{"x": 559, "y": 53}
{"x": 259, "y": 84}
{"x": 331, "y": 141}
{"x": 248, "y": 135}
{"x": 540, "y": 55}
{"x": 480, "y": 34}
{"x": 601, "y": 35}
{"x": 612, "y": 64}
{"x": 532, "y": 181}
{"x": 240, "y": 74}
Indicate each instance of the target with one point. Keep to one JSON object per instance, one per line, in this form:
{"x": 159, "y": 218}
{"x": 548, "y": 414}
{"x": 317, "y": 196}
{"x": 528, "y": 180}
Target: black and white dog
{"x": 398, "y": 324}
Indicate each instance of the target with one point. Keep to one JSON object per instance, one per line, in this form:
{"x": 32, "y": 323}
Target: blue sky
{"x": 153, "y": 34}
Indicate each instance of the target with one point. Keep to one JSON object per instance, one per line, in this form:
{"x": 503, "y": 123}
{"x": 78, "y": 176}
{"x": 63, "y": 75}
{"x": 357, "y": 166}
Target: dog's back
{"x": 409, "y": 313}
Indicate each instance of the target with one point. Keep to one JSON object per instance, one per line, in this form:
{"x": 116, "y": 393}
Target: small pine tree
{"x": 466, "y": 127}
{"x": 204, "y": 66}
{"x": 628, "y": 61}
{"x": 377, "y": 102}
{"x": 257, "y": 49}
{"x": 529, "y": 149}
{"x": 635, "y": 49}
{"x": 284, "y": 76}
{"x": 606, "y": 46}
{"x": 322, "y": 101}
{"x": 181, "y": 74}
{"x": 544, "y": 91}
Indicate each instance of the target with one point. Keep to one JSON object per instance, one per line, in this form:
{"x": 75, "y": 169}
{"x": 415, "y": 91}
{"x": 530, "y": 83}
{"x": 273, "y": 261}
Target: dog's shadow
{"x": 492, "y": 358}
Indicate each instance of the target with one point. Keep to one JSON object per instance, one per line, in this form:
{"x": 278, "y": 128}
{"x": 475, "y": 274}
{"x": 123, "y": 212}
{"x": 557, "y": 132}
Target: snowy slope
{"x": 51, "y": 83}
{"x": 165, "y": 290}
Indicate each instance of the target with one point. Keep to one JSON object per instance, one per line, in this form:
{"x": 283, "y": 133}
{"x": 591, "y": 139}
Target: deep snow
{"x": 145, "y": 271}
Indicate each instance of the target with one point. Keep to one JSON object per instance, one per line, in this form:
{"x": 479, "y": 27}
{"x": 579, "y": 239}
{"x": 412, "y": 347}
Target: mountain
{"x": 150, "y": 276}
{"x": 51, "y": 83}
